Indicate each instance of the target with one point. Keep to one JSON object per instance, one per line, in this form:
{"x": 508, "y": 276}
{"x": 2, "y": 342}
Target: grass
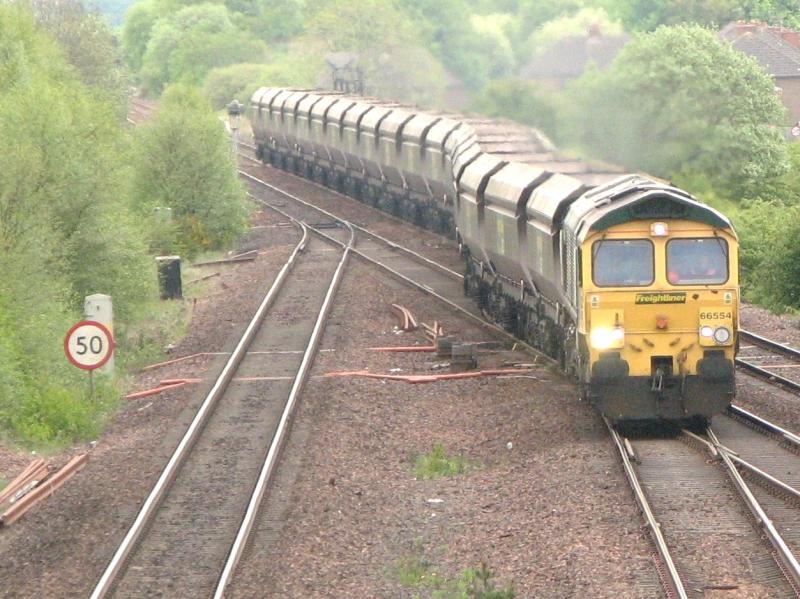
{"x": 3, "y": 483}
{"x": 416, "y": 572}
{"x": 419, "y": 574}
{"x": 161, "y": 323}
{"x": 436, "y": 464}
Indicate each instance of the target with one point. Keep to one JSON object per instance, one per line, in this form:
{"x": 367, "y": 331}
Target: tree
{"x": 576, "y": 24}
{"x": 279, "y": 21}
{"x": 677, "y": 103}
{"x": 471, "y": 55}
{"x": 87, "y": 41}
{"x": 395, "y": 62}
{"x": 187, "y": 45}
{"x": 520, "y": 101}
{"x": 65, "y": 231}
{"x": 240, "y": 81}
{"x": 139, "y": 22}
{"x": 531, "y": 15}
{"x": 647, "y": 15}
{"x": 183, "y": 160}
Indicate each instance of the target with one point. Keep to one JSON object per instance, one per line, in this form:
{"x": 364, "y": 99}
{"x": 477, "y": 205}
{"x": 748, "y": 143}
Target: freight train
{"x": 631, "y": 283}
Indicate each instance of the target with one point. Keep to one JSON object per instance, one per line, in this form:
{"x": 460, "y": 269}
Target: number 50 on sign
{"x": 88, "y": 345}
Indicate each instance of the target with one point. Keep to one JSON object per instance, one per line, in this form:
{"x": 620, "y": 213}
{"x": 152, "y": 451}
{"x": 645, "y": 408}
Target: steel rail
{"x": 770, "y": 376}
{"x": 177, "y": 459}
{"x": 475, "y": 318}
{"x": 763, "y": 371}
{"x": 769, "y": 344}
{"x": 748, "y": 416}
{"x": 778, "y": 484}
{"x": 677, "y": 590}
{"x": 278, "y": 440}
{"x": 789, "y": 563}
{"x": 364, "y": 230}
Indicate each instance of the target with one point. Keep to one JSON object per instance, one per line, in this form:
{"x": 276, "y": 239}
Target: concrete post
{"x": 99, "y": 307}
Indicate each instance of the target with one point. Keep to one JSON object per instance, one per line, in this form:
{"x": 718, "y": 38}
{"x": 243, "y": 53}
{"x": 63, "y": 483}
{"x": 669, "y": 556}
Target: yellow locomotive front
{"x": 659, "y": 314}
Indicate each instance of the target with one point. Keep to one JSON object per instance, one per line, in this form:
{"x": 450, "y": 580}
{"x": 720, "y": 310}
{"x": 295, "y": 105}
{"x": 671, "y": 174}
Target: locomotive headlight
{"x": 722, "y": 335}
{"x": 706, "y": 332}
{"x": 607, "y": 338}
{"x": 659, "y": 229}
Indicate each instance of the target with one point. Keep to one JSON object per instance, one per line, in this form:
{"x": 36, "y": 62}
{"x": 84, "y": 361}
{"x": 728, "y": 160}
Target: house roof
{"x": 568, "y": 57}
{"x": 778, "y": 57}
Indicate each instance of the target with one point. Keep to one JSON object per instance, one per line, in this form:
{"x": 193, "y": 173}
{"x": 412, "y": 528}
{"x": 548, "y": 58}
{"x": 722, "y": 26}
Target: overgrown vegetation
{"x": 186, "y": 139}
{"x": 436, "y": 464}
{"x": 419, "y": 574}
{"x": 74, "y": 215}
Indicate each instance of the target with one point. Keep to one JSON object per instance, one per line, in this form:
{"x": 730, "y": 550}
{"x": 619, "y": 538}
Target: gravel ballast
{"x": 545, "y": 506}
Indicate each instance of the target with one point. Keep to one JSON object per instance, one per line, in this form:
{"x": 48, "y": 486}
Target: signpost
{"x": 88, "y": 345}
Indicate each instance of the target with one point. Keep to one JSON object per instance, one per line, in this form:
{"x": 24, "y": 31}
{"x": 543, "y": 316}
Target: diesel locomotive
{"x": 629, "y": 282}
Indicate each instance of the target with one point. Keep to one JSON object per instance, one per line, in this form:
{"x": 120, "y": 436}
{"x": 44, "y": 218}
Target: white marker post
{"x": 88, "y": 345}
{"x": 98, "y": 307}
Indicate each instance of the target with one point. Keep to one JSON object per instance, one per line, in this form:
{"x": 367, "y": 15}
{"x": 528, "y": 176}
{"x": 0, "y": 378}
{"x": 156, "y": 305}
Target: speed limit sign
{"x": 88, "y": 345}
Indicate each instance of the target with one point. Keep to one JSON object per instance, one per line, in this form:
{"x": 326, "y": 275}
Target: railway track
{"x": 186, "y": 539}
{"x": 726, "y": 530}
{"x": 408, "y": 265}
{"x": 774, "y": 362}
{"x": 711, "y": 531}
{"x": 761, "y": 557}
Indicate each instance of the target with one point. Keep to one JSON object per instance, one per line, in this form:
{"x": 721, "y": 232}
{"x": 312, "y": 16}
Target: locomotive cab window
{"x": 702, "y": 261}
{"x": 622, "y": 263}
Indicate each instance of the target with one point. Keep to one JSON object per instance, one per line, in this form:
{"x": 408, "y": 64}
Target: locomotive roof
{"x": 635, "y": 197}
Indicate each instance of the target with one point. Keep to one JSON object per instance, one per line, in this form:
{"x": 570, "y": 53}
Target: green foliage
{"x": 279, "y": 21}
{"x": 417, "y": 572}
{"x": 436, "y": 464}
{"x": 521, "y": 101}
{"x": 183, "y": 160}
{"x": 65, "y": 230}
{"x": 570, "y": 25}
{"x": 680, "y": 101}
{"x": 112, "y": 10}
{"x": 390, "y": 50}
{"x": 477, "y": 583}
{"x": 769, "y": 258}
{"x": 647, "y": 15}
{"x": 471, "y": 55}
{"x": 533, "y": 14}
{"x": 43, "y": 400}
{"x": 59, "y": 192}
{"x": 241, "y": 80}
{"x": 769, "y": 237}
{"x": 87, "y": 41}
{"x": 139, "y": 22}
{"x": 185, "y": 46}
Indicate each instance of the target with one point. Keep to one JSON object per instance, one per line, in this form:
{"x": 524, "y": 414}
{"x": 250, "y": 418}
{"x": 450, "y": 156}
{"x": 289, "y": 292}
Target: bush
{"x": 521, "y": 101}
{"x": 186, "y": 46}
{"x": 240, "y": 81}
{"x": 769, "y": 258}
{"x": 183, "y": 160}
{"x": 680, "y": 100}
